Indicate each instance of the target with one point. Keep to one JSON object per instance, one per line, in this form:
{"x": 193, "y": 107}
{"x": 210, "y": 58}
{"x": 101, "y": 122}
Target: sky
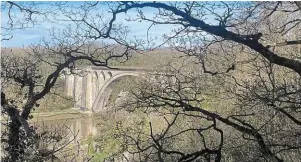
{"x": 33, "y": 35}
{"x": 41, "y": 30}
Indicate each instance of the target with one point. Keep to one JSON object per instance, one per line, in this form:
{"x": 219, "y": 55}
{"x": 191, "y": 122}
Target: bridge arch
{"x": 100, "y": 93}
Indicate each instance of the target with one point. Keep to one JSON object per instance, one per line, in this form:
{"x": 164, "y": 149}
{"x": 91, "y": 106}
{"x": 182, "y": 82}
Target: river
{"x": 82, "y": 127}
{"x": 76, "y": 130}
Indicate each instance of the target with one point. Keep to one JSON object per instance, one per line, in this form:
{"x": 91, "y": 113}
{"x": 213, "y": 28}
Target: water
{"x": 82, "y": 127}
{"x": 75, "y": 130}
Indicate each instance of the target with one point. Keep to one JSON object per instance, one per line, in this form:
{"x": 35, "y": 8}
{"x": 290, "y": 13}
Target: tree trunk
{"x": 14, "y": 143}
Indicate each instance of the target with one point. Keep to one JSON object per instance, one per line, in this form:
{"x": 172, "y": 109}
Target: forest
{"x": 232, "y": 94}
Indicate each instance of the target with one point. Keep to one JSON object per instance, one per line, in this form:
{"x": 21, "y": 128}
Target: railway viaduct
{"x": 88, "y": 86}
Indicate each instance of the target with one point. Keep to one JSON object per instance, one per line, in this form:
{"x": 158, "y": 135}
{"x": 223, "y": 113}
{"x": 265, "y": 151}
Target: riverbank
{"x": 56, "y": 115}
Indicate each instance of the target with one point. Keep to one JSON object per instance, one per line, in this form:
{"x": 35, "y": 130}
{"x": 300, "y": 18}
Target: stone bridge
{"x": 88, "y": 86}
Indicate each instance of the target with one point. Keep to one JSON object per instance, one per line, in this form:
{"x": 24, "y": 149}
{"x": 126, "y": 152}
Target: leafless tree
{"x": 37, "y": 72}
{"x": 224, "y": 37}
{"x": 250, "y": 39}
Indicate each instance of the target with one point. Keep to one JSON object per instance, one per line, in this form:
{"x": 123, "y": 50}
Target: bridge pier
{"x": 77, "y": 91}
{"x": 89, "y": 91}
{"x": 69, "y": 81}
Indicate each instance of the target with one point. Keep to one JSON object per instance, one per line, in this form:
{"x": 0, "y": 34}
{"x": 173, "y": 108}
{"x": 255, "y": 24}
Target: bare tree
{"x": 224, "y": 37}
{"x": 265, "y": 88}
{"x": 228, "y": 24}
{"x": 66, "y": 50}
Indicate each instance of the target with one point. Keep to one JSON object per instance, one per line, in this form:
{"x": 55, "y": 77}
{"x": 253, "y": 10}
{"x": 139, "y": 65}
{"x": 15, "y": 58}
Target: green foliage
{"x": 150, "y": 59}
{"x": 124, "y": 84}
{"x": 109, "y": 143}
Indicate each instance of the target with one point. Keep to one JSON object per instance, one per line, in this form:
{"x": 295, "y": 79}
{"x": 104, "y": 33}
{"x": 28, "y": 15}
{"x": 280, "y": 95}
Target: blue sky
{"x": 32, "y": 35}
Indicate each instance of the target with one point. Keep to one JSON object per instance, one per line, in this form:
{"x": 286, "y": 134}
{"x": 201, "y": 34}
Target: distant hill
{"x": 149, "y": 59}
